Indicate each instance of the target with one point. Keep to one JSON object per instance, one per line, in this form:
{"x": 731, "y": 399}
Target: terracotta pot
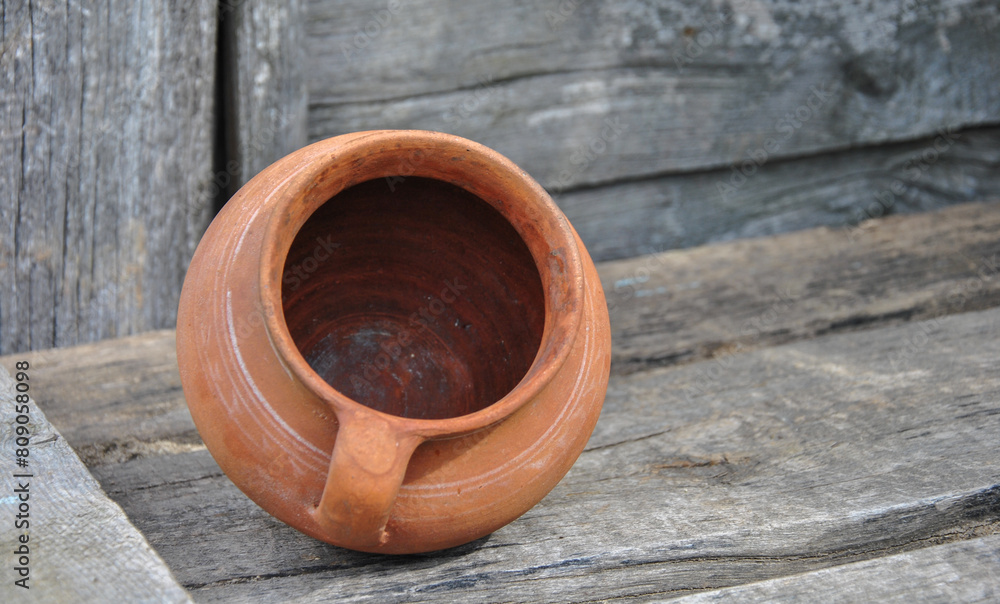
{"x": 393, "y": 341}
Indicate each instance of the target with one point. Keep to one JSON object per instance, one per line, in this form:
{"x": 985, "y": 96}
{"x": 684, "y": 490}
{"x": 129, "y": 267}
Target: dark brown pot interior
{"x": 414, "y": 297}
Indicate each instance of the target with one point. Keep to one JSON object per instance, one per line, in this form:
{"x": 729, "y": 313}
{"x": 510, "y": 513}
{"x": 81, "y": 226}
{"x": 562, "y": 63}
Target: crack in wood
{"x": 626, "y": 441}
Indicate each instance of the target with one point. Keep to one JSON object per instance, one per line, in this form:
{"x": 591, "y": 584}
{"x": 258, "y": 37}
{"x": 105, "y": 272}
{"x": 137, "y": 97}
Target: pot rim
{"x": 349, "y": 160}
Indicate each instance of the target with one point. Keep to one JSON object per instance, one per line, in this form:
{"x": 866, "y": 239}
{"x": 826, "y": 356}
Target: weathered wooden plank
{"x": 121, "y": 399}
{"x": 581, "y": 93}
{"x": 789, "y": 459}
{"x": 75, "y": 544}
{"x": 967, "y": 571}
{"x": 716, "y": 300}
{"x": 264, "y": 92}
{"x": 688, "y": 465}
{"x": 105, "y": 155}
{"x": 116, "y": 399}
{"x": 836, "y": 189}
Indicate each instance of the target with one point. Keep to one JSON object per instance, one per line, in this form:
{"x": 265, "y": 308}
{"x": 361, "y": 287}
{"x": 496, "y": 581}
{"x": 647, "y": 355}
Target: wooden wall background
{"x": 106, "y": 135}
{"x": 656, "y": 125}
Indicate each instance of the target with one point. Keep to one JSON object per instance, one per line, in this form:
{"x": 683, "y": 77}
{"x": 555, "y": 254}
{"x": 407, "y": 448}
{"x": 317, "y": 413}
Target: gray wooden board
{"x": 637, "y": 217}
{"x": 80, "y": 545}
{"x": 116, "y": 399}
{"x": 789, "y": 459}
{"x": 751, "y": 456}
{"x": 105, "y": 162}
{"x": 122, "y": 399}
{"x": 693, "y": 85}
{"x": 965, "y": 571}
{"x": 265, "y": 97}
{"x": 714, "y": 300}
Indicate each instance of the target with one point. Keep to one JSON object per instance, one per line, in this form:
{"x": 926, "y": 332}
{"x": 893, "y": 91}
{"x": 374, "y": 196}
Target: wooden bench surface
{"x": 64, "y": 539}
{"x": 817, "y": 412}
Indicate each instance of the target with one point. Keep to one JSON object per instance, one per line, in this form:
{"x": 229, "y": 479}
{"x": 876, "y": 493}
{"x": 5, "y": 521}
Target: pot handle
{"x": 369, "y": 461}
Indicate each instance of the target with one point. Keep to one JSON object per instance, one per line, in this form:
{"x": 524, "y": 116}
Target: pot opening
{"x": 413, "y": 297}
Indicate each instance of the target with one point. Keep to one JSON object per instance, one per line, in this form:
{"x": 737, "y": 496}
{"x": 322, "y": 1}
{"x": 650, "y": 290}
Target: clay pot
{"x": 393, "y": 341}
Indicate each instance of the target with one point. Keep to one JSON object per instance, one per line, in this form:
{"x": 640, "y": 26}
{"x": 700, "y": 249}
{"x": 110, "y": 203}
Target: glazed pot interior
{"x": 413, "y": 297}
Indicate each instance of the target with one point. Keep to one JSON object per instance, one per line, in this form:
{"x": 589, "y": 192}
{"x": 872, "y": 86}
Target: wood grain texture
{"x": 768, "y": 463}
{"x": 122, "y": 399}
{"x": 264, "y": 93}
{"x": 966, "y": 571}
{"x": 839, "y": 189}
{"x": 716, "y": 300}
{"x": 105, "y": 160}
{"x": 81, "y": 547}
{"x": 115, "y": 400}
{"x": 586, "y": 93}
{"x": 788, "y": 460}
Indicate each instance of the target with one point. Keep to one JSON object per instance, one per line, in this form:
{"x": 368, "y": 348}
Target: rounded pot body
{"x": 393, "y": 341}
